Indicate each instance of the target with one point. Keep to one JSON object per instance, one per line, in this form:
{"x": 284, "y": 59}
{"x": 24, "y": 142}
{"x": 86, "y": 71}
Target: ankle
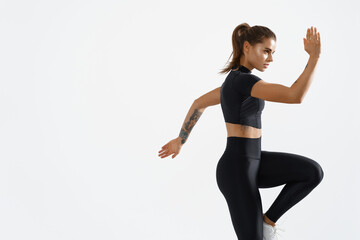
{"x": 268, "y": 221}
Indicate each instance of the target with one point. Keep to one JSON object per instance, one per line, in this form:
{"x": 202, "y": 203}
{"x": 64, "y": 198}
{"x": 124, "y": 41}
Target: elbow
{"x": 198, "y": 104}
{"x": 298, "y": 100}
{"x": 295, "y": 98}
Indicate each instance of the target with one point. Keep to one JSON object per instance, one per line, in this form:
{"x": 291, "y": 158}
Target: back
{"x": 237, "y": 105}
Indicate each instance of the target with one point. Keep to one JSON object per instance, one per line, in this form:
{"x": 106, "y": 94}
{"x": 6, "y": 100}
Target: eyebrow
{"x": 268, "y": 49}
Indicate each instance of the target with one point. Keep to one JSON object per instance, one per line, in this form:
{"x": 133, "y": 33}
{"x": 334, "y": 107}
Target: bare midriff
{"x": 238, "y": 130}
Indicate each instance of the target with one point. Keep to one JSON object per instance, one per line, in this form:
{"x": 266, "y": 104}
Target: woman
{"x": 244, "y": 167}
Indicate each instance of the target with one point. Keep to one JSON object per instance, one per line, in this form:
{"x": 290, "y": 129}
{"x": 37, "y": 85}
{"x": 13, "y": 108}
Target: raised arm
{"x": 297, "y": 91}
{"x": 197, "y": 108}
{"x": 279, "y": 93}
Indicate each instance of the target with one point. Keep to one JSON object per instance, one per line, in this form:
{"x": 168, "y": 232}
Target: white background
{"x": 91, "y": 90}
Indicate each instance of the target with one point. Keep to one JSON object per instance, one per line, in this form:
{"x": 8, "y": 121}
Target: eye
{"x": 268, "y": 51}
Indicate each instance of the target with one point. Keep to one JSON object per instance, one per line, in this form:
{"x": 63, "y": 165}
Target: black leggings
{"x": 243, "y": 168}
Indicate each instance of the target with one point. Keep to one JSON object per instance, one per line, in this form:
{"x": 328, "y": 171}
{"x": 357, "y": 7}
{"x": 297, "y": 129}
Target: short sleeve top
{"x": 237, "y": 104}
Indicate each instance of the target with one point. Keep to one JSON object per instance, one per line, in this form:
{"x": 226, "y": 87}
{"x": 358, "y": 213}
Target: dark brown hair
{"x": 243, "y": 32}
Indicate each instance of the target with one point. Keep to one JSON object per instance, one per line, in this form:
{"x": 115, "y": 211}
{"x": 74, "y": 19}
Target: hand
{"x": 312, "y": 42}
{"x": 172, "y": 147}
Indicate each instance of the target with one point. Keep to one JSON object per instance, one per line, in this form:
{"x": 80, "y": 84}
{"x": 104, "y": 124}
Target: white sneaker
{"x": 270, "y": 232}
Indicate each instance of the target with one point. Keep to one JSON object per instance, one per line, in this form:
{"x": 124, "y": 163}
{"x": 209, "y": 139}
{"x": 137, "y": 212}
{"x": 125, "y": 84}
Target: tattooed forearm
{"x": 188, "y": 125}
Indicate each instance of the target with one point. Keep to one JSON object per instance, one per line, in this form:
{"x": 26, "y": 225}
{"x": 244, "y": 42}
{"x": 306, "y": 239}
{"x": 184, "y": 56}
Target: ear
{"x": 246, "y": 46}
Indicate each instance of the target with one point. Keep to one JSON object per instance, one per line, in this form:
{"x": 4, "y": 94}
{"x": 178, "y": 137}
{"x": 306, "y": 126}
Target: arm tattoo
{"x": 188, "y": 126}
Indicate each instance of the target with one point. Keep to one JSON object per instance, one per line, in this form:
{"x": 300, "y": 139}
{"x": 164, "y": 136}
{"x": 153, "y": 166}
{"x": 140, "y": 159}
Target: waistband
{"x": 250, "y": 147}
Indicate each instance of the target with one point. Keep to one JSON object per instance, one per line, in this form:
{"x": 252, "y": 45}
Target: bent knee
{"x": 317, "y": 173}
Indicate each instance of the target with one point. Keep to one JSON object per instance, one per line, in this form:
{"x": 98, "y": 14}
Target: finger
{"x": 164, "y": 149}
{"x": 308, "y": 34}
{"x": 164, "y": 153}
{"x": 312, "y": 32}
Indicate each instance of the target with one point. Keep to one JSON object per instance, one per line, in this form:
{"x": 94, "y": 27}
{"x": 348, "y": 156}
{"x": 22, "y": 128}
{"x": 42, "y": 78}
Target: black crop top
{"x": 237, "y": 105}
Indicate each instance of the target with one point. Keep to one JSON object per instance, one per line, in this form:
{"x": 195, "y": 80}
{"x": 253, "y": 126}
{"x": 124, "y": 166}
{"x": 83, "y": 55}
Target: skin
{"x": 254, "y": 57}
{"x": 258, "y": 55}
{"x": 268, "y": 221}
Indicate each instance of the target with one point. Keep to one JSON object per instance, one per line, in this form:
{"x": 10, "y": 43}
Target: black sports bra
{"x": 237, "y": 105}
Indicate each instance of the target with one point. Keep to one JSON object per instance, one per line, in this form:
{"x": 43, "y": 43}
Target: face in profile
{"x": 261, "y": 54}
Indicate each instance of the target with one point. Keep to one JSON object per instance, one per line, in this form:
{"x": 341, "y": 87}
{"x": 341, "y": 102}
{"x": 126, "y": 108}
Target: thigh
{"x": 278, "y": 168}
{"x": 236, "y": 177}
